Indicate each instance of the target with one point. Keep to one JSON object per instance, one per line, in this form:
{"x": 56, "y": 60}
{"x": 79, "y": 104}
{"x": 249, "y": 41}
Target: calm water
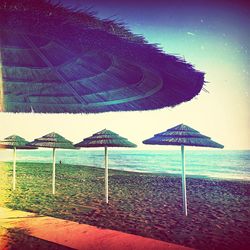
{"x": 223, "y": 164}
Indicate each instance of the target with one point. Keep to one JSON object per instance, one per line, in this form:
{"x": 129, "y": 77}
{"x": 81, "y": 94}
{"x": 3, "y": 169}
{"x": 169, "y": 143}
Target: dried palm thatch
{"x": 15, "y": 141}
{"x": 105, "y": 138}
{"x": 52, "y": 140}
{"x": 182, "y": 135}
{"x": 57, "y": 60}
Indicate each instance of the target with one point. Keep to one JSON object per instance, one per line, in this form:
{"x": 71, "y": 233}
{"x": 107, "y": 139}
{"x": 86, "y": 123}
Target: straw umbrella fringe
{"x": 105, "y": 138}
{"x": 15, "y": 142}
{"x": 81, "y": 64}
{"x": 53, "y": 140}
{"x": 182, "y": 135}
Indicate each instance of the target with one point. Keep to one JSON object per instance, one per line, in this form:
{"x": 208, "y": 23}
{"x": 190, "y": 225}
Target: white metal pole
{"x": 14, "y": 169}
{"x": 106, "y": 176}
{"x": 184, "y": 193}
{"x": 54, "y": 171}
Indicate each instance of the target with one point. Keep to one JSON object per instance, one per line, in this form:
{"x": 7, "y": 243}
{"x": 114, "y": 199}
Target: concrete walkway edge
{"x": 78, "y": 236}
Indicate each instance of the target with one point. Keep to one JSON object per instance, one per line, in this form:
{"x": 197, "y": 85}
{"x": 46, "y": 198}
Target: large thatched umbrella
{"x": 182, "y": 135}
{"x": 15, "y": 142}
{"x": 105, "y": 138}
{"x": 53, "y": 140}
{"x": 57, "y": 60}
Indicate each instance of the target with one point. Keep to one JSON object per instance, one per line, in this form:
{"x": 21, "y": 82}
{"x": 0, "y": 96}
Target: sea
{"x": 218, "y": 164}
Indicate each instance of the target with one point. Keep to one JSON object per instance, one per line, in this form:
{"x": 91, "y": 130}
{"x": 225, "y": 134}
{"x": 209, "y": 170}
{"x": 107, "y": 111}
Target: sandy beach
{"x": 143, "y": 204}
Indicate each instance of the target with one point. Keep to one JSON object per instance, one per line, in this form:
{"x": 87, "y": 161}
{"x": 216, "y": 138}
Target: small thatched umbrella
{"x": 105, "y": 138}
{"x": 15, "y": 142}
{"x": 57, "y": 60}
{"x": 53, "y": 140}
{"x": 182, "y": 135}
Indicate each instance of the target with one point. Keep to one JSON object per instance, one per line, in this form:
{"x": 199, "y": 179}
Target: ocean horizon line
{"x": 222, "y": 164}
{"x": 168, "y": 148}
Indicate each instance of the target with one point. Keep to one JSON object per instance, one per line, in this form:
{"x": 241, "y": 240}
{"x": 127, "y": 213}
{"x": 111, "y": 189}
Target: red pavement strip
{"x": 78, "y": 236}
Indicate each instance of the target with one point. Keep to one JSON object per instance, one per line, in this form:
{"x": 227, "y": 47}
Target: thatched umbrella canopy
{"x": 57, "y": 60}
{"x": 105, "y": 138}
{"x": 53, "y": 140}
{"x": 15, "y": 142}
{"x": 183, "y": 135}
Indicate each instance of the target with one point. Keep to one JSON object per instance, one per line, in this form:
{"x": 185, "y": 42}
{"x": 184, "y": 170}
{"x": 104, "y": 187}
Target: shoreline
{"x": 144, "y": 204}
{"x": 140, "y": 172}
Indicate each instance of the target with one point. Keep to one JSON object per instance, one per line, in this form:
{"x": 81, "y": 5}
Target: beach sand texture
{"x": 143, "y": 204}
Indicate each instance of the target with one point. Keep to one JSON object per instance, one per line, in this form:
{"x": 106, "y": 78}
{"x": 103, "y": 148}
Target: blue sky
{"x": 213, "y": 36}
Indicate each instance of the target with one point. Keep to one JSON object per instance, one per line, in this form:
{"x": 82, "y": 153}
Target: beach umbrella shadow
{"x": 15, "y": 142}
{"x": 82, "y": 64}
{"x": 54, "y": 141}
{"x": 182, "y": 135}
{"x": 105, "y": 138}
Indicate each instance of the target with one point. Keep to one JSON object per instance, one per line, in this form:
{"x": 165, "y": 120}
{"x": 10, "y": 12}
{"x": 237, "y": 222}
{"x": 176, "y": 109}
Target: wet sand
{"x": 143, "y": 204}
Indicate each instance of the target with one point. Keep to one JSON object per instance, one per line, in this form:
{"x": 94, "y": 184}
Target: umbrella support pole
{"x": 14, "y": 169}
{"x": 184, "y": 192}
{"x": 54, "y": 171}
{"x": 106, "y": 176}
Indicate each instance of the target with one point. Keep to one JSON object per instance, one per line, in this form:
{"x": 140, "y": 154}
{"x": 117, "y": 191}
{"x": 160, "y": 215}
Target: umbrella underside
{"x": 105, "y": 143}
{"x": 16, "y": 146}
{"x": 71, "y": 67}
{"x": 198, "y": 142}
{"x": 43, "y": 144}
